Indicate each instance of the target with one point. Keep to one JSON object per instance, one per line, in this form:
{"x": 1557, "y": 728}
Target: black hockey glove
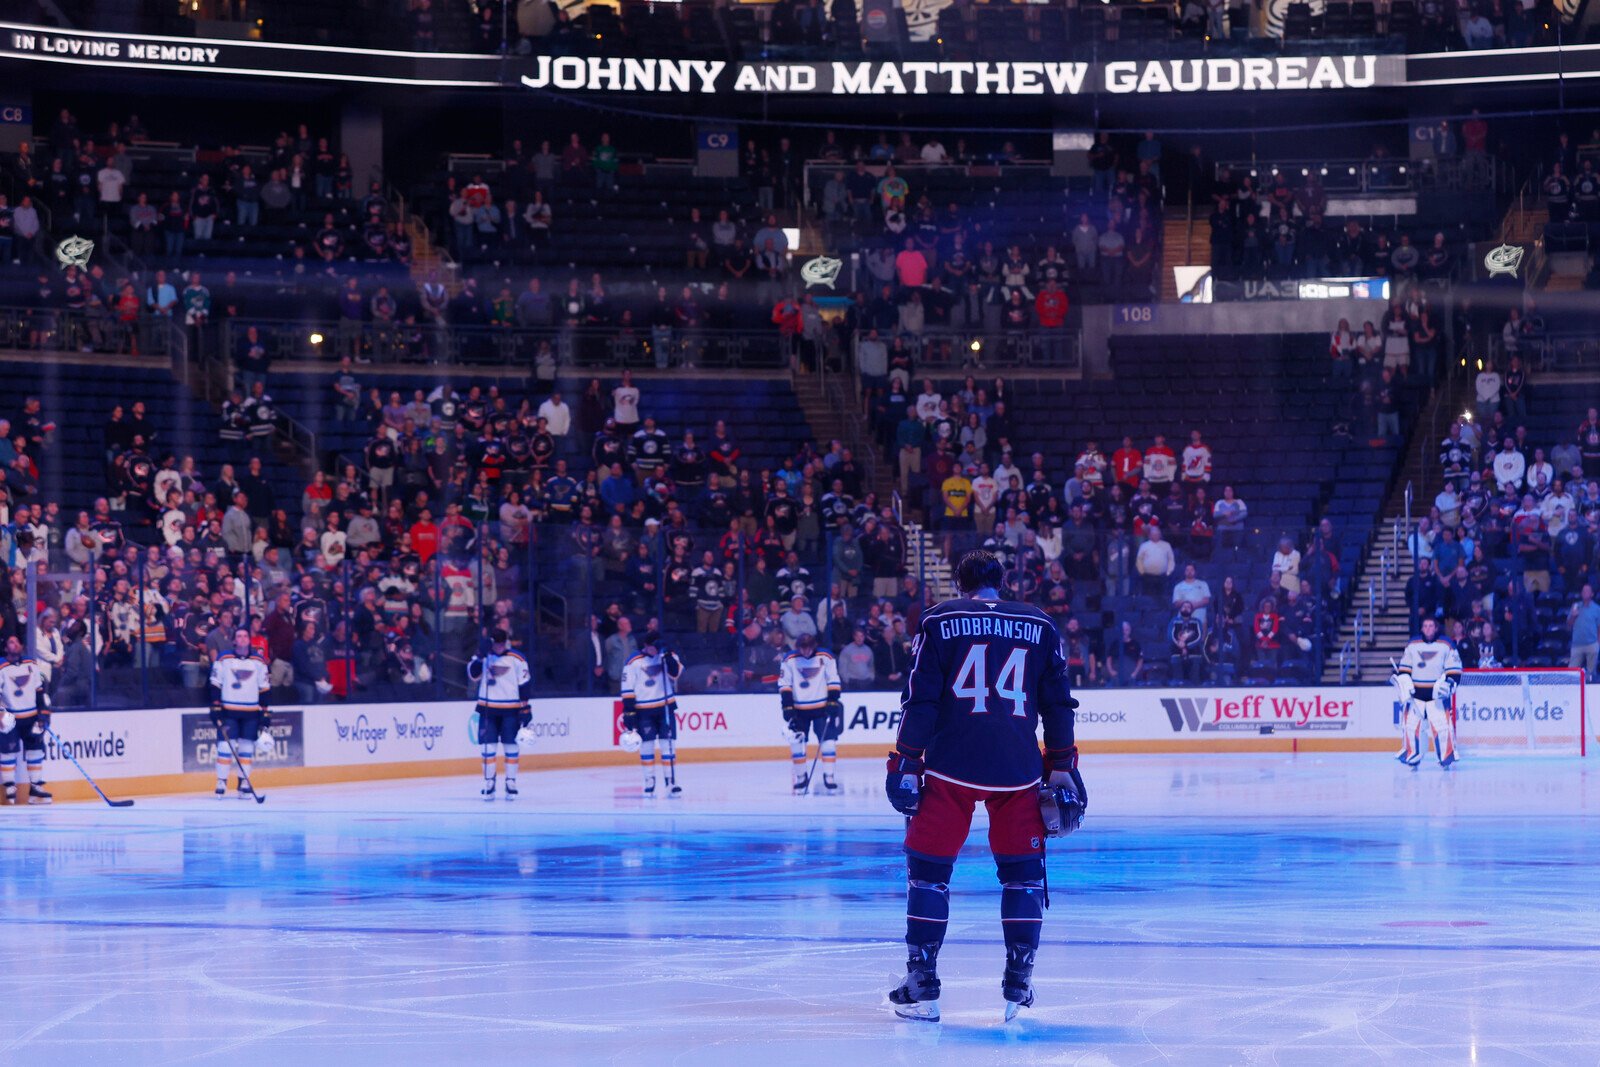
{"x": 216, "y": 714}
{"x": 266, "y": 717}
{"x": 903, "y": 783}
{"x": 630, "y": 717}
{"x": 524, "y": 717}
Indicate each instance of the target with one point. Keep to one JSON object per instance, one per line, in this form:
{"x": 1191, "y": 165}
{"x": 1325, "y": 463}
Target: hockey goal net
{"x": 1521, "y": 711}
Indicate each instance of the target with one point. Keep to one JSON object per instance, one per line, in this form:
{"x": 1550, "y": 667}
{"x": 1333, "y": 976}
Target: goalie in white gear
{"x": 239, "y": 684}
{"x": 504, "y": 685}
{"x": 650, "y": 711}
{"x": 1427, "y": 677}
{"x": 808, "y": 686}
{"x": 24, "y": 713}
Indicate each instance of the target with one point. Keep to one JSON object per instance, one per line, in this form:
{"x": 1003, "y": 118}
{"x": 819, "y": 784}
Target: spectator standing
{"x": 605, "y": 162}
{"x": 857, "y": 662}
{"x": 1154, "y": 561}
{"x": 1186, "y": 636}
{"x": 1584, "y": 621}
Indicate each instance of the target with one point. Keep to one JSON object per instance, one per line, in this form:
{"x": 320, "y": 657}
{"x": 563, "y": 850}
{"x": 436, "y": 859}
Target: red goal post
{"x": 1521, "y": 711}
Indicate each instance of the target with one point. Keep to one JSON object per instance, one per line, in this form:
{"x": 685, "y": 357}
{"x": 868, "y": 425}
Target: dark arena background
{"x": 507, "y": 396}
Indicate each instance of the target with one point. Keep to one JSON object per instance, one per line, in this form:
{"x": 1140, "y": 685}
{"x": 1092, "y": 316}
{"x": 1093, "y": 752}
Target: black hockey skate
{"x": 830, "y": 786}
{"x": 221, "y": 790}
{"x": 802, "y": 785}
{"x": 649, "y": 787}
{"x": 917, "y": 998}
{"x": 39, "y": 796}
{"x": 487, "y": 792}
{"x": 11, "y": 793}
{"x": 245, "y": 791}
{"x": 674, "y": 790}
{"x": 1016, "y": 985}
{"x": 511, "y": 789}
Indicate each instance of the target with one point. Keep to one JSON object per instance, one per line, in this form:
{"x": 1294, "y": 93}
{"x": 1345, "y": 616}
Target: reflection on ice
{"x": 1214, "y": 909}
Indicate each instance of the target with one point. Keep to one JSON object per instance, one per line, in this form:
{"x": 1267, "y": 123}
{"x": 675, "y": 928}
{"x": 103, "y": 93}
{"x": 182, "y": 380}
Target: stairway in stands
{"x": 1184, "y": 242}
{"x": 831, "y": 407}
{"x": 1380, "y": 598}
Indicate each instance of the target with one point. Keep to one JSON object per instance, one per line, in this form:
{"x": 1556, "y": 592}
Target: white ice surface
{"x": 1230, "y": 910}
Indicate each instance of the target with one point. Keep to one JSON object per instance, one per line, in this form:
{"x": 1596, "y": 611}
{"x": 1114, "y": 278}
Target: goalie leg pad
{"x": 927, "y": 900}
{"x": 1444, "y": 731}
{"x": 1411, "y": 727}
{"x": 1022, "y": 900}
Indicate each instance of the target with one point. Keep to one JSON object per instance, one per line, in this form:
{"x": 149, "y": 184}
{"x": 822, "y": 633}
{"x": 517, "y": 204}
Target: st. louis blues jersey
{"x": 808, "y": 683}
{"x": 22, "y": 682}
{"x": 984, "y": 674}
{"x": 239, "y": 683}
{"x": 1429, "y": 661}
{"x": 645, "y": 680}
{"x": 503, "y": 680}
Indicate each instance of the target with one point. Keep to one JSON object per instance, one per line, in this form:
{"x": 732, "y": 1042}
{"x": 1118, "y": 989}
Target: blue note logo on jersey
{"x": 240, "y": 676}
{"x": 809, "y": 673}
{"x": 499, "y": 671}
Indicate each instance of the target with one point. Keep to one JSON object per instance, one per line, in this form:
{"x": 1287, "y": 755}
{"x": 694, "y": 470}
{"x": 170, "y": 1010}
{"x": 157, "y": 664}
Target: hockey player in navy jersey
{"x": 504, "y": 684}
{"x": 650, "y": 712}
{"x": 808, "y": 686}
{"x": 985, "y": 672}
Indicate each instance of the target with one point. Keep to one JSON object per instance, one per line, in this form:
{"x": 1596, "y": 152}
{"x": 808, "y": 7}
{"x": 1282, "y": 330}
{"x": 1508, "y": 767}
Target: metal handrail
{"x": 1364, "y": 172}
{"x": 1344, "y": 662}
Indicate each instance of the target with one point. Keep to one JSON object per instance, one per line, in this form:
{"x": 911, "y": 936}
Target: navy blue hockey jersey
{"x": 983, "y": 676}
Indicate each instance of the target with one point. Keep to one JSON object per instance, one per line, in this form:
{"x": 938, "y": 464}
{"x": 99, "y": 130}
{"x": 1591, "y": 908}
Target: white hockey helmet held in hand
{"x": 630, "y": 740}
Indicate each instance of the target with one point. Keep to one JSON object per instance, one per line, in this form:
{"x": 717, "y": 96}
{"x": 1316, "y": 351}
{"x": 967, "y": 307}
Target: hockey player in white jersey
{"x": 24, "y": 713}
{"x": 239, "y": 685}
{"x": 1427, "y": 677}
{"x": 504, "y": 685}
{"x": 650, "y": 712}
{"x": 808, "y": 686}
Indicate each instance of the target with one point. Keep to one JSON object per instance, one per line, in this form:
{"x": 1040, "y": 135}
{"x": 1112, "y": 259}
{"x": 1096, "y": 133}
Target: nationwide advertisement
{"x": 114, "y": 744}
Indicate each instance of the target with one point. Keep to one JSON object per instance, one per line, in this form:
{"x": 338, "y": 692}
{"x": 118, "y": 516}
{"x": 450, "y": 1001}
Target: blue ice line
{"x": 612, "y": 935}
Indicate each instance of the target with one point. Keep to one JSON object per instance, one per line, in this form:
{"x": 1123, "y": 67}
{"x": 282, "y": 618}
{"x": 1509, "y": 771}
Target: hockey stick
{"x": 92, "y": 783}
{"x": 812, "y": 773}
{"x": 672, "y": 721}
{"x": 234, "y": 752}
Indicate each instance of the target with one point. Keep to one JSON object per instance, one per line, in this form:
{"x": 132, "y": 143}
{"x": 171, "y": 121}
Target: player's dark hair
{"x": 979, "y": 569}
{"x": 498, "y": 636}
